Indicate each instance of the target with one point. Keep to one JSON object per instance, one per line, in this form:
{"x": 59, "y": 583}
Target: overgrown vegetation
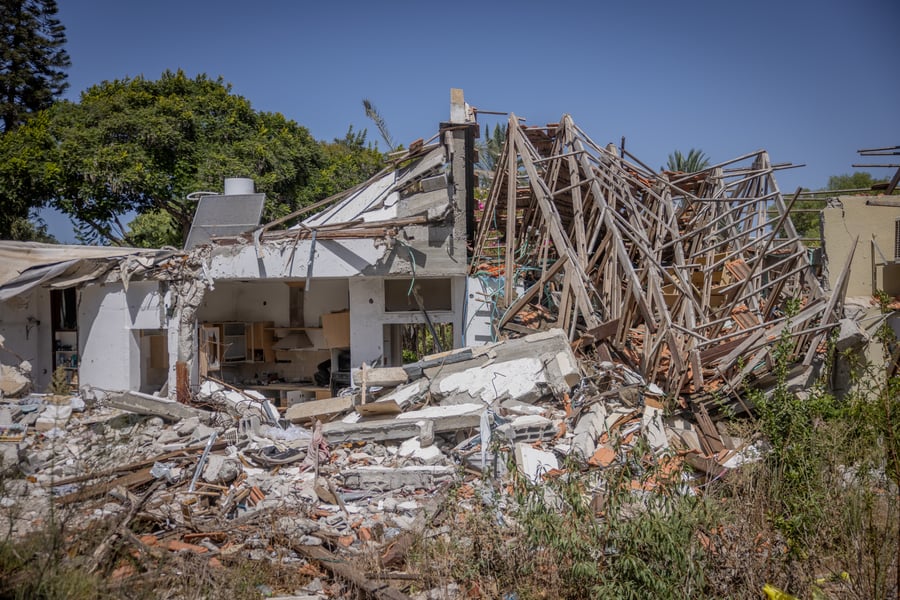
{"x": 629, "y": 533}
{"x": 59, "y": 561}
{"x": 59, "y": 383}
{"x": 45, "y": 566}
{"x": 817, "y": 517}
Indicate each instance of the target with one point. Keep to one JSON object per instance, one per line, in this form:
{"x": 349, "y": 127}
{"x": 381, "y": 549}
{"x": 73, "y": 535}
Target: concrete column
{"x": 366, "y": 320}
{"x": 188, "y": 298}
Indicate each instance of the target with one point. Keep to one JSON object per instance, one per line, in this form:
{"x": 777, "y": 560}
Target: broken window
{"x": 154, "y": 353}
{"x": 400, "y": 295}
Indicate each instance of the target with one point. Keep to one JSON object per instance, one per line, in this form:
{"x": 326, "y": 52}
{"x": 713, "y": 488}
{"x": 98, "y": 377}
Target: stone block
{"x": 528, "y": 428}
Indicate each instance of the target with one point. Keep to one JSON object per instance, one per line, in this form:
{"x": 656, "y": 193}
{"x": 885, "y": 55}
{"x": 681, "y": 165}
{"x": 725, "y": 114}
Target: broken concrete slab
{"x": 15, "y": 380}
{"x": 405, "y": 395}
{"x": 528, "y": 428}
{"x": 370, "y": 431}
{"x": 9, "y": 456}
{"x": 587, "y": 430}
{"x": 221, "y": 469}
{"x": 413, "y": 448}
{"x": 445, "y": 360}
{"x": 524, "y": 369}
{"x": 145, "y": 404}
{"x": 54, "y": 415}
{"x": 851, "y": 335}
{"x": 380, "y": 408}
{"x": 381, "y": 377}
{"x": 653, "y": 428}
{"x": 438, "y": 419}
{"x": 534, "y": 463}
{"x": 314, "y": 408}
{"x": 386, "y": 478}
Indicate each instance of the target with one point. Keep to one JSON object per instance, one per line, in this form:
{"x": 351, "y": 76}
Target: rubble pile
{"x": 687, "y": 278}
{"x": 233, "y": 478}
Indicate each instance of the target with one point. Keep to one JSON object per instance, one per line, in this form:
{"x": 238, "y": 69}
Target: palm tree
{"x": 373, "y": 114}
{"x": 695, "y": 161}
{"x": 489, "y": 152}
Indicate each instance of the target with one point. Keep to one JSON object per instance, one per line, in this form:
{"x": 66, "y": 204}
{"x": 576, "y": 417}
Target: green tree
{"x": 24, "y": 175}
{"x": 153, "y": 229}
{"x": 141, "y": 146}
{"x": 32, "y": 58}
{"x": 694, "y": 161}
{"x": 30, "y": 229}
{"x": 348, "y": 161}
{"x": 855, "y": 181}
{"x": 808, "y": 222}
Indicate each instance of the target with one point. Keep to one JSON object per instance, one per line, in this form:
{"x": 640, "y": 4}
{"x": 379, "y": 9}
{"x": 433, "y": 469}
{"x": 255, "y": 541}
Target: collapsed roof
{"x": 690, "y": 277}
{"x": 24, "y": 265}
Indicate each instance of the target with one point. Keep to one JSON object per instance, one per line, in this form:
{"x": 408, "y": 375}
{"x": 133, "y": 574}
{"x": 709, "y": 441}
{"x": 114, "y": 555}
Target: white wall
{"x": 368, "y": 317}
{"x": 323, "y": 296}
{"x": 241, "y": 301}
{"x": 26, "y": 338}
{"x": 334, "y": 258}
{"x": 109, "y": 350}
{"x": 366, "y": 327}
{"x": 479, "y": 310}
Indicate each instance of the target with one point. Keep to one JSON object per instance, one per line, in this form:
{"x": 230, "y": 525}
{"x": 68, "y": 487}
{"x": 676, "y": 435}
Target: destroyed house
{"x": 287, "y": 311}
{"x": 687, "y": 278}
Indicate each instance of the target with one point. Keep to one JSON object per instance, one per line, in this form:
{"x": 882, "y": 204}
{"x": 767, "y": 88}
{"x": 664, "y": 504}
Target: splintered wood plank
{"x": 624, "y": 260}
{"x": 708, "y": 428}
{"x": 578, "y": 208}
{"x": 531, "y": 292}
{"x": 340, "y": 567}
{"x": 837, "y": 294}
{"x": 562, "y": 318}
{"x": 138, "y": 477}
{"x": 510, "y": 270}
{"x": 551, "y": 217}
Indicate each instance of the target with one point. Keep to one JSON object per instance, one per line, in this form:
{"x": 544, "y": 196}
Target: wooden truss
{"x": 689, "y": 276}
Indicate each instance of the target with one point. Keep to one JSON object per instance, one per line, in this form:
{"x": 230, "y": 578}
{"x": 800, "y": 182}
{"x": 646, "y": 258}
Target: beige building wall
{"x": 850, "y": 217}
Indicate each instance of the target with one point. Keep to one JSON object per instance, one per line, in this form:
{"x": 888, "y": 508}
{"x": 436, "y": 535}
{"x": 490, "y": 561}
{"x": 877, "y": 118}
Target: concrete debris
{"x": 386, "y": 478}
{"x": 15, "y": 380}
{"x": 627, "y": 311}
{"x": 526, "y": 369}
{"x": 386, "y": 376}
{"x": 302, "y": 411}
{"x": 220, "y": 469}
{"x": 145, "y": 404}
{"x": 534, "y": 464}
{"x": 53, "y": 416}
{"x": 434, "y": 419}
{"x": 327, "y": 475}
{"x": 850, "y": 335}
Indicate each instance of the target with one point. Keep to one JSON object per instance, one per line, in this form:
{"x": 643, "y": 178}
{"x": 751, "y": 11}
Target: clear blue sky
{"x": 809, "y": 81}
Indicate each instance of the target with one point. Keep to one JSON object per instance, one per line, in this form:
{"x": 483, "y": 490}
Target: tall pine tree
{"x": 32, "y": 58}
